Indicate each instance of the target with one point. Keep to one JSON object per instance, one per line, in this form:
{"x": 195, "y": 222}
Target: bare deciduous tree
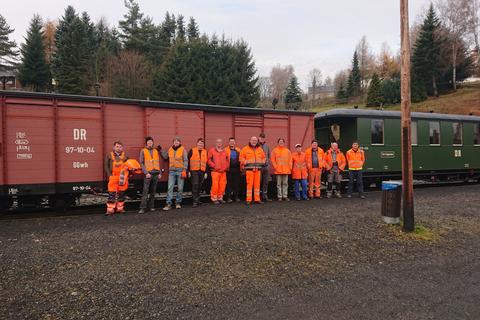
{"x": 279, "y": 78}
{"x": 49, "y": 29}
{"x": 366, "y": 60}
{"x": 129, "y": 75}
{"x": 388, "y": 65}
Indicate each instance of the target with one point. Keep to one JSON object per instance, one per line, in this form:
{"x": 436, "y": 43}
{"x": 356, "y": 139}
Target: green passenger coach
{"x": 445, "y": 147}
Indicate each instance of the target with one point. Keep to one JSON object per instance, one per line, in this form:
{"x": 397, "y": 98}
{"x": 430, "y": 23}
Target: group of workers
{"x": 226, "y": 166}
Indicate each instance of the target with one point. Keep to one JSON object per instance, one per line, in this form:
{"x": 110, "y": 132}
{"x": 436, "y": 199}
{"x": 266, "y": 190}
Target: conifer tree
{"x": 34, "y": 70}
{"x": 426, "y": 56}
{"x": 8, "y": 53}
{"x": 374, "y": 95}
{"x": 354, "y": 85}
{"x": 341, "y": 93}
{"x": 293, "y": 94}
{"x": 192, "y": 30}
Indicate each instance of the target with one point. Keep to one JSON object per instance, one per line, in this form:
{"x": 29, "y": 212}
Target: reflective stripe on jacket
{"x": 281, "y": 159}
{"x": 355, "y": 159}
{"x": 151, "y": 163}
{"x": 299, "y": 170}
{"x": 329, "y": 159}
{"x": 309, "y": 159}
{"x": 175, "y": 158}
{"x": 197, "y": 161}
{"x": 252, "y": 158}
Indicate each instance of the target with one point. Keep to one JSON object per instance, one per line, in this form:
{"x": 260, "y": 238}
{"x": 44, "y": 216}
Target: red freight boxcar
{"x": 54, "y": 145}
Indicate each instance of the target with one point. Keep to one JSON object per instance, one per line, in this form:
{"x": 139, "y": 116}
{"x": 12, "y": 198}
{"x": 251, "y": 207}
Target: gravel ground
{"x": 328, "y": 259}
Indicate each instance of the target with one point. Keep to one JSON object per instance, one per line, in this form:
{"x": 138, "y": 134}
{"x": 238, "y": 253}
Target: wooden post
{"x": 407, "y": 167}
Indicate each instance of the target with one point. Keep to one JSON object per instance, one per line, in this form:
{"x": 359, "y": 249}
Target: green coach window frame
{"x": 377, "y": 132}
{"x": 476, "y": 134}
{"x": 434, "y": 127}
{"x": 457, "y": 133}
{"x": 414, "y": 133}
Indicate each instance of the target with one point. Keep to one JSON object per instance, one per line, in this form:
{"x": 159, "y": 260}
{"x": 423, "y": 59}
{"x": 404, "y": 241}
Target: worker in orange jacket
{"x": 314, "y": 156}
{"x": 118, "y": 167}
{"x": 252, "y": 160}
{"x": 177, "y": 172}
{"x": 149, "y": 159}
{"x": 299, "y": 172}
{"x": 218, "y": 162}
{"x": 281, "y": 159}
{"x": 335, "y": 163}
{"x": 355, "y": 160}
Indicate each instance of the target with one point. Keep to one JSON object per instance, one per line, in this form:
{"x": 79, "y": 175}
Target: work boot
{"x": 141, "y": 211}
{"x": 329, "y": 195}
{"x": 167, "y": 207}
{"x": 153, "y": 209}
{"x": 229, "y": 200}
{"x": 221, "y": 201}
{"x": 338, "y": 195}
{"x": 362, "y": 196}
{"x": 238, "y": 200}
{"x": 178, "y": 206}
{"x": 216, "y": 202}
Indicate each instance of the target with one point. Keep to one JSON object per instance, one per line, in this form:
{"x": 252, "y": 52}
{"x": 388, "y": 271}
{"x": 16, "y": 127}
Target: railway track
{"x": 85, "y": 207}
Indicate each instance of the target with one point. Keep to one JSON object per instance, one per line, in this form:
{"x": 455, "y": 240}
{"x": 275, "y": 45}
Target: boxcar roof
{"x": 147, "y": 103}
{"x": 364, "y": 113}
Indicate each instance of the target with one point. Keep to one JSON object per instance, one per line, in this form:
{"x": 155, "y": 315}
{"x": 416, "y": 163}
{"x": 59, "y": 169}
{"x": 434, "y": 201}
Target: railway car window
{"x": 476, "y": 134}
{"x": 377, "y": 131}
{"x": 414, "y": 135}
{"x": 434, "y": 132}
{"x": 457, "y": 133}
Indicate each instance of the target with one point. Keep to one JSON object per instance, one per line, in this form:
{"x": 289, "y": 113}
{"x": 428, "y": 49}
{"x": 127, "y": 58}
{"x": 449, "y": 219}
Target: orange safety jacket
{"x": 299, "y": 170}
{"x": 175, "y": 158}
{"x": 355, "y": 159}
{"x": 281, "y": 159}
{"x": 117, "y": 164}
{"x": 151, "y": 163}
{"x": 198, "y": 162}
{"x": 252, "y": 158}
{"x": 328, "y": 158}
{"x": 320, "y": 156}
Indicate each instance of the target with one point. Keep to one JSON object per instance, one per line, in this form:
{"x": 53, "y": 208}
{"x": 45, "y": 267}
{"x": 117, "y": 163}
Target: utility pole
{"x": 407, "y": 167}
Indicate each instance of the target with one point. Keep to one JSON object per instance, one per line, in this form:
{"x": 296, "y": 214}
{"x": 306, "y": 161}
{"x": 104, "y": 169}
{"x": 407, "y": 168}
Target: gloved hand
{"x": 184, "y": 174}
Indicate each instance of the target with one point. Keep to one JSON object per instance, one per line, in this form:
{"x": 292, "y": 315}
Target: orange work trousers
{"x": 116, "y": 195}
{"x": 219, "y": 183}
{"x": 314, "y": 178}
{"x": 253, "y": 182}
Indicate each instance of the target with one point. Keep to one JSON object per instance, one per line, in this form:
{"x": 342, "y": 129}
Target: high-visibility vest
{"x": 281, "y": 160}
{"x": 328, "y": 158}
{"x": 299, "y": 170}
{"x": 175, "y": 158}
{"x": 151, "y": 163}
{"x": 320, "y": 155}
{"x": 117, "y": 164}
{"x": 355, "y": 159}
{"x": 197, "y": 161}
{"x": 252, "y": 158}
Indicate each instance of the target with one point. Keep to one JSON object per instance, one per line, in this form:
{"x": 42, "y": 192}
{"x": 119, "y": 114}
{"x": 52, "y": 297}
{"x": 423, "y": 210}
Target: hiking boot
{"x": 338, "y": 195}
{"x": 167, "y": 207}
{"x": 178, "y": 206}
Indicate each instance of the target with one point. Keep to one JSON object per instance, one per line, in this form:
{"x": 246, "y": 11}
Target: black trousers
{"x": 233, "y": 183}
{"x": 265, "y": 179}
{"x": 197, "y": 182}
{"x": 149, "y": 190}
{"x": 355, "y": 175}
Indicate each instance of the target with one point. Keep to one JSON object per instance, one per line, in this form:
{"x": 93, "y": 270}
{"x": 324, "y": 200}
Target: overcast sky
{"x": 307, "y": 34}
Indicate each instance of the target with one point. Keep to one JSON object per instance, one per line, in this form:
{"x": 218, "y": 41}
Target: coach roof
{"x": 364, "y": 113}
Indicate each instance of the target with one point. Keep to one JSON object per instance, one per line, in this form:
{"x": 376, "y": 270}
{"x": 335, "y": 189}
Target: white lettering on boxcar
{"x": 22, "y": 145}
{"x": 80, "y": 165}
{"x": 80, "y": 134}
